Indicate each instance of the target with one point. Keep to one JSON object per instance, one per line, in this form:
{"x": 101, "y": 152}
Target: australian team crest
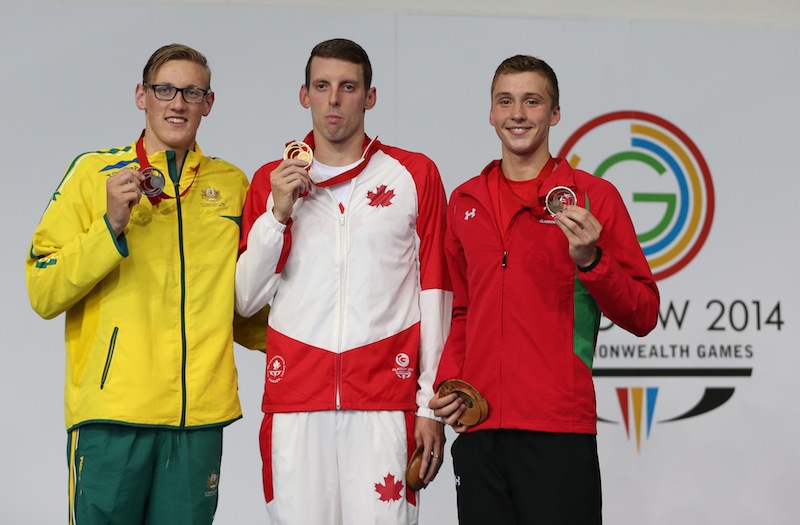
{"x": 212, "y": 483}
{"x": 212, "y": 198}
{"x": 211, "y": 195}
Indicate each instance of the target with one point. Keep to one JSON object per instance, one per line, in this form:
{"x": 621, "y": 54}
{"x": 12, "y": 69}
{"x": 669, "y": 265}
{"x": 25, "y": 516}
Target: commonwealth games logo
{"x": 667, "y": 188}
{"x": 662, "y": 177}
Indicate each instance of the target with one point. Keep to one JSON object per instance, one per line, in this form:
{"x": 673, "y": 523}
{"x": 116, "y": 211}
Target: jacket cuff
{"x": 120, "y": 242}
{"x": 428, "y": 413}
{"x": 594, "y": 264}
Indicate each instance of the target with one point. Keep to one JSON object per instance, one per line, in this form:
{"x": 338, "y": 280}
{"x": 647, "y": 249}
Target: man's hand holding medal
{"x": 459, "y": 404}
{"x": 289, "y": 181}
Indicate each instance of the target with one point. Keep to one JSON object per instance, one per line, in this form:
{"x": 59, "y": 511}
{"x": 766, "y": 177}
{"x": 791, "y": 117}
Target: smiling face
{"x": 338, "y": 97}
{"x": 522, "y": 113}
{"x": 172, "y": 124}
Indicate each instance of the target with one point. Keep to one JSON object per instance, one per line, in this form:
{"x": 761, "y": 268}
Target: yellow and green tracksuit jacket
{"x": 149, "y": 315}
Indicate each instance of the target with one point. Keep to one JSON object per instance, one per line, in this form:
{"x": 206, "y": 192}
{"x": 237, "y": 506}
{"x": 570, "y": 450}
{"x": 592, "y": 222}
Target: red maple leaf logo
{"x": 389, "y": 489}
{"x": 380, "y": 197}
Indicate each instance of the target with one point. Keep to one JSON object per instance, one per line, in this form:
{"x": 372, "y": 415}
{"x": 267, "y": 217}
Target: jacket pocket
{"x": 109, "y": 357}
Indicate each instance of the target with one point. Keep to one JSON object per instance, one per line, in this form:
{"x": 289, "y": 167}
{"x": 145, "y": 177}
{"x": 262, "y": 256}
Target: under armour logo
{"x": 458, "y": 478}
{"x": 469, "y": 214}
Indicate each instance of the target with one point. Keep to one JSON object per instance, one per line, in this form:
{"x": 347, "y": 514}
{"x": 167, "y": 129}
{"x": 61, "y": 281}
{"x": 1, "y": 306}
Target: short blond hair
{"x": 170, "y": 52}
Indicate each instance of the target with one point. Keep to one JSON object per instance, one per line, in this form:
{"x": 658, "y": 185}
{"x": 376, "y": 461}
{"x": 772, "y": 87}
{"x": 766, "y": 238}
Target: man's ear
{"x": 372, "y": 98}
{"x": 208, "y": 101}
{"x": 555, "y": 118}
{"x": 141, "y": 94}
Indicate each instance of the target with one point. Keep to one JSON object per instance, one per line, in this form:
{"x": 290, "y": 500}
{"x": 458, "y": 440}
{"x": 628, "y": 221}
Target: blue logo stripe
{"x": 652, "y": 394}
{"x": 119, "y": 165}
{"x": 683, "y": 209}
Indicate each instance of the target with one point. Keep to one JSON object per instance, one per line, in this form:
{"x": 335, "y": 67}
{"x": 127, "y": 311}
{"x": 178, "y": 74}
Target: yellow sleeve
{"x": 251, "y": 332}
{"x": 73, "y": 246}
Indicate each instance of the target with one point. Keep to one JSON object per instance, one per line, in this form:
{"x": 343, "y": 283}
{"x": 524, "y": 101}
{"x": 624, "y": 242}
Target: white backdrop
{"x": 69, "y": 73}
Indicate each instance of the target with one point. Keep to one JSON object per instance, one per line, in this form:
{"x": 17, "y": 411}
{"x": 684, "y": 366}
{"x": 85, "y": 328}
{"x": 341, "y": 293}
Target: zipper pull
{"x": 505, "y": 258}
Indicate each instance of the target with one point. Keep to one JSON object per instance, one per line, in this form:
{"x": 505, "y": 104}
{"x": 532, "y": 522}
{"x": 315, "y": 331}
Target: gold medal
{"x": 300, "y": 151}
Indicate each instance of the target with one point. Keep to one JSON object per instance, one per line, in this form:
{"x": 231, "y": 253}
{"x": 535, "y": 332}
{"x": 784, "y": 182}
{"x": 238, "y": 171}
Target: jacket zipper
{"x": 342, "y": 288}
{"x": 503, "y": 266}
{"x": 109, "y": 356}
{"x": 342, "y": 275}
{"x": 175, "y": 175}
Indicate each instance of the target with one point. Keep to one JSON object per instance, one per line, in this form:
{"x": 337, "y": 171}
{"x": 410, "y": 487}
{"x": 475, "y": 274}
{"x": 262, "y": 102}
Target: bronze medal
{"x": 477, "y": 407}
{"x": 413, "y": 480}
{"x": 558, "y": 198}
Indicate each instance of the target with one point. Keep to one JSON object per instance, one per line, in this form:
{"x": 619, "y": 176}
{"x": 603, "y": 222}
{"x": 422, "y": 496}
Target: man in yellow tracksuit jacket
{"x": 138, "y": 246}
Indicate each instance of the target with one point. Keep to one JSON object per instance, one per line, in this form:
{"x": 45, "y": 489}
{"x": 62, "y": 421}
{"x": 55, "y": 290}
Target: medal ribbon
{"x": 369, "y": 150}
{"x": 532, "y": 201}
{"x": 533, "y": 197}
{"x": 141, "y": 156}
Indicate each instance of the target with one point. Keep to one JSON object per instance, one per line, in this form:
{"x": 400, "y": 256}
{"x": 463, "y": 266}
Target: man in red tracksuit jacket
{"x": 530, "y": 283}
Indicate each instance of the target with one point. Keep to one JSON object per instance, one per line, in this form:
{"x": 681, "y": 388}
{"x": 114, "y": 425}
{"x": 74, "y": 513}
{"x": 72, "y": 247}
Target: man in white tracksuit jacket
{"x": 348, "y": 252}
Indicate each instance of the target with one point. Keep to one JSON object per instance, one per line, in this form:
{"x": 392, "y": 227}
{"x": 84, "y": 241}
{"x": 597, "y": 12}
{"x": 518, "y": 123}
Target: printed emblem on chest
{"x": 381, "y": 197}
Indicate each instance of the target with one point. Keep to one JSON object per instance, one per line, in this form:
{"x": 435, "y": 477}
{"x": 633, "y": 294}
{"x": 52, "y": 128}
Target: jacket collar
{"x": 370, "y": 146}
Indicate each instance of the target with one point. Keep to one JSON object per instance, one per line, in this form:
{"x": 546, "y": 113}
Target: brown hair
{"x": 170, "y": 52}
{"x": 526, "y": 63}
{"x": 342, "y": 49}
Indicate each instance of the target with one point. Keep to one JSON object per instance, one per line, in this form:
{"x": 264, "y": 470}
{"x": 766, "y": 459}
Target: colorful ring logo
{"x": 683, "y": 190}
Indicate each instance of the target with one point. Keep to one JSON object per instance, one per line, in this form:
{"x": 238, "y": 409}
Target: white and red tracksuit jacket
{"x": 360, "y": 297}
{"x": 525, "y": 319}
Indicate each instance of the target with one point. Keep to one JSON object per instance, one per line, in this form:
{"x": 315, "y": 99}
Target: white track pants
{"x": 338, "y": 468}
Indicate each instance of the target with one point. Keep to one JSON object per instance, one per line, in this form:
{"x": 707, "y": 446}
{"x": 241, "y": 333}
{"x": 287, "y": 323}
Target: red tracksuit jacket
{"x": 525, "y": 319}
